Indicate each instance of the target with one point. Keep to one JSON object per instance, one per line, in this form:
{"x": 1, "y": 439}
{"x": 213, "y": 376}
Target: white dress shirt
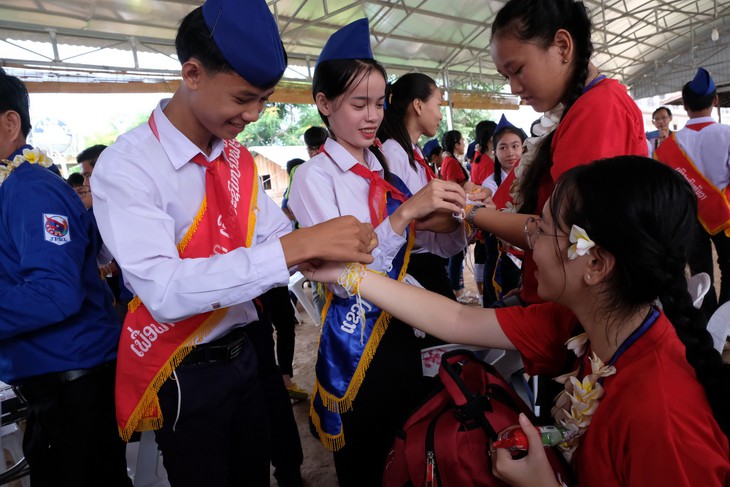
{"x": 441, "y": 244}
{"x": 146, "y": 195}
{"x": 490, "y": 183}
{"x": 324, "y": 188}
{"x": 709, "y": 150}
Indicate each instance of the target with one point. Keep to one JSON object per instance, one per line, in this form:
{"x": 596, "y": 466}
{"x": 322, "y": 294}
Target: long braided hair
{"x": 648, "y": 227}
{"x": 538, "y": 21}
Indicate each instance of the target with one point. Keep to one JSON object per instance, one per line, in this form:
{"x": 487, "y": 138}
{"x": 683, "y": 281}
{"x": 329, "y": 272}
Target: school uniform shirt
{"x": 325, "y": 188}
{"x": 481, "y": 168}
{"x": 442, "y": 244}
{"x": 708, "y": 148}
{"x": 55, "y": 313}
{"x": 146, "y": 195}
{"x": 603, "y": 122}
{"x": 491, "y": 184}
{"x": 452, "y": 170}
{"x": 653, "y": 426}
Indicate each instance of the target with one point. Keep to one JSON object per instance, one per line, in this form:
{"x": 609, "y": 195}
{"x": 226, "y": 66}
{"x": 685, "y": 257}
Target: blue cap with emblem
{"x": 702, "y": 83}
{"x": 247, "y": 36}
{"x": 350, "y": 42}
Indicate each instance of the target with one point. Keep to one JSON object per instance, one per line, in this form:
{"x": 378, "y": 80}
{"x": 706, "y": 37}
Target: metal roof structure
{"x": 653, "y": 46}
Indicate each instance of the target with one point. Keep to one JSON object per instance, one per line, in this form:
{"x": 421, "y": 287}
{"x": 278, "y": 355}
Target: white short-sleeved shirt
{"x": 441, "y": 244}
{"x": 709, "y": 149}
{"x": 146, "y": 195}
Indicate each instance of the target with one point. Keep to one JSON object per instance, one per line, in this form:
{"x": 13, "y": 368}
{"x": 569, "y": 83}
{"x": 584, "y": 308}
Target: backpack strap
{"x": 469, "y": 405}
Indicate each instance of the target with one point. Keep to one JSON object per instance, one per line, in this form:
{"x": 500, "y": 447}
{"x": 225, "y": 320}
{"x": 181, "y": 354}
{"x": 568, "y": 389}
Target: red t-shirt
{"x": 481, "y": 168}
{"x": 653, "y": 426}
{"x": 452, "y": 170}
{"x": 603, "y": 122}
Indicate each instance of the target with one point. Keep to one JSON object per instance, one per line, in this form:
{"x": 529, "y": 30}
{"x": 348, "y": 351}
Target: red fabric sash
{"x": 502, "y": 196}
{"x": 379, "y": 188}
{"x": 712, "y": 203}
{"x": 698, "y": 126}
{"x": 149, "y": 351}
{"x": 420, "y": 160}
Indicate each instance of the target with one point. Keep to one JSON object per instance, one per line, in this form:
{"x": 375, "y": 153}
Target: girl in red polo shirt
{"x": 645, "y": 393}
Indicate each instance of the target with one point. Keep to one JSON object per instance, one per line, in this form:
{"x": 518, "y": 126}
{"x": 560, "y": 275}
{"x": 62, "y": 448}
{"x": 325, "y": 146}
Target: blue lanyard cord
{"x": 595, "y": 81}
{"x": 635, "y": 335}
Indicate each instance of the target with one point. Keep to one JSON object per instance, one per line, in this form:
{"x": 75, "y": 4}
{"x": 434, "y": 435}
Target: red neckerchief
{"x": 420, "y": 160}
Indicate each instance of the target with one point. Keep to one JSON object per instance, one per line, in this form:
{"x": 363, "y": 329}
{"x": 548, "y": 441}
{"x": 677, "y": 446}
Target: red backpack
{"x": 445, "y": 442}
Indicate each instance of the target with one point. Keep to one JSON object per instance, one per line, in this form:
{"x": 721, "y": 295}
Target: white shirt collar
{"x": 694, "y": 121}
{"x": 344, "y": 160}
{"x": 179, "y": 149}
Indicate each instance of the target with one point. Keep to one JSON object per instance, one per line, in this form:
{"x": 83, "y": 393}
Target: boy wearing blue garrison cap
{"x": 701, "y": 152}
{"x": 58, "y": 331}
{"x": 179, "y": 204}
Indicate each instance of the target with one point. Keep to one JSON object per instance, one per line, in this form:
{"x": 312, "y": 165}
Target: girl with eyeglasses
{"x": 646, "y": 397}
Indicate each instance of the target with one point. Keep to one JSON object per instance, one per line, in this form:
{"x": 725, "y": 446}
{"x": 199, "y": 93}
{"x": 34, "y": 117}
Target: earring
{"x": 588, "y": 276}
{"x": 565, "y": 61}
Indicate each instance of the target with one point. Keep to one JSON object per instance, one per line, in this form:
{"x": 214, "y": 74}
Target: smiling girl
{"x": 645, "y": 393}
{"x": 368, "y": 372}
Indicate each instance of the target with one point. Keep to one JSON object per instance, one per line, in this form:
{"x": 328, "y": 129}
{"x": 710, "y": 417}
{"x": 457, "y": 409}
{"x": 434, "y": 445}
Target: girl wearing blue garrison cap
{"x": 368, "y": 367}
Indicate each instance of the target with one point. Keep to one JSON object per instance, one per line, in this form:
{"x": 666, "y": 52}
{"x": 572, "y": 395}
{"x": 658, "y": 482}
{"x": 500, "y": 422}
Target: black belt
{"x": 42, "y": 384}
{"x": 223, "y": 349}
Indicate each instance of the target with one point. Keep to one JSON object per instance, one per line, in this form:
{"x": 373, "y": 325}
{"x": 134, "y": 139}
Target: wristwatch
{"x": 470, "y": 215}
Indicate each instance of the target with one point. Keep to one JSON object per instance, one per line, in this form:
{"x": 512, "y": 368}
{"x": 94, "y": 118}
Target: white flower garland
{"x": 32, "y": 156}
{"x": 575, "y": 406}
{"x": 548, "y": 123}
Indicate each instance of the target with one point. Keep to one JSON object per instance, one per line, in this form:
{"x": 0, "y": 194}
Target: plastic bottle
{"x": 514, "y": 439}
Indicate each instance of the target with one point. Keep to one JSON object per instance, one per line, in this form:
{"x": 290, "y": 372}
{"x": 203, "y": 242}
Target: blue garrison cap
{"x": 430, "y": 146}
{"x": 702, "y": 83}
{"x": 247, "y": 36}
{"x": 350, "y": 42}
{"x": 471, "y": 150}
{"x": 503, "y": 124}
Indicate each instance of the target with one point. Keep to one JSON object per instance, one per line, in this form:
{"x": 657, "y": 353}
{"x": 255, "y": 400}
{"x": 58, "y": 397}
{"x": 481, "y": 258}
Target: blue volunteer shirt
{"x": 55, "y": 314}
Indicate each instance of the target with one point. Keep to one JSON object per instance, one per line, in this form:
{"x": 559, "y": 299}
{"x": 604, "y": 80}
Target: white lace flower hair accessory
{"x": 582, "y": 243}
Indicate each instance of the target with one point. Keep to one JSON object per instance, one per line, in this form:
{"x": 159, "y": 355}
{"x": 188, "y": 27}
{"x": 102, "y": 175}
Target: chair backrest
{"x": 719, "y": 326}
{"x": 698, "y": 285}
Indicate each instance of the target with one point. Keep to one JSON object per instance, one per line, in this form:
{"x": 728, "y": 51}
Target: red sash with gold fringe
{"x": 712, "y": 204}
{"x": 148, "y": 350}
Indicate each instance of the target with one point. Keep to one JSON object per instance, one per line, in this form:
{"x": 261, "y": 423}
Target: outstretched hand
{"x": 342, "y": 239}
{"x": 533, "y": 470}
{"x": 436, "y": 195}
{"x": 322, "y": 271}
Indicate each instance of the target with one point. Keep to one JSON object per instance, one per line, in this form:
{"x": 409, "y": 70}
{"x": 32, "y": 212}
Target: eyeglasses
{"x": 661, "y": 119}
{"x": 532, "y": 231}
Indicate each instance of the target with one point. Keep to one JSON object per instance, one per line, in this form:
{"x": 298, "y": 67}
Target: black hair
{"x": 649, "y": 229}
{"x": 449, "y": 140}
{"x": 315, "y": 136}
{"x": 399, "y": 96}
{"x": 291, "y": 164}
{"x": 537, "y": 21}
{"x": 495, "y": 141}
{"x": 335, "y": 77}
{"x": 194, "y": 40}
{"x": 75, "y": 180}
{"x": 14, "y": 96}
{"x": 435, "y": 152}
{"x": 90, "y": 154}
{"x": 669, "y": 112}
{"x": 696, "y": 102}
{"x": 483, "y": 132}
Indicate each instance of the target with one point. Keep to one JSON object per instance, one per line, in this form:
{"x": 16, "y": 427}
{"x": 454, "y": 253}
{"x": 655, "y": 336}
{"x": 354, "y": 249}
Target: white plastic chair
{"x": 719, "y": 326}
{"x": 144, "y": 462}
{"x": 296, "y": 286}
{"x": 698, "y": 285}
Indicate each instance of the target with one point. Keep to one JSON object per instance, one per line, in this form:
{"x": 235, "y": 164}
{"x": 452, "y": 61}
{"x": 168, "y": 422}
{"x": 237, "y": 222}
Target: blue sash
{"x": 346, "y": 350}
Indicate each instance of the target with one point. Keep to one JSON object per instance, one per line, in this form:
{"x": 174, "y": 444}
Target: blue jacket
{"x": 55, "y": 314}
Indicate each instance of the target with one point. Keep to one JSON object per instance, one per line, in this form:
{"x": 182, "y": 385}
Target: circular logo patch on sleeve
{"x": 56, "y": 229}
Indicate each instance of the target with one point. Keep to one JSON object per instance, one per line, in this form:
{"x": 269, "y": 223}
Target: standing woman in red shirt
{"x": 543, "y": 48}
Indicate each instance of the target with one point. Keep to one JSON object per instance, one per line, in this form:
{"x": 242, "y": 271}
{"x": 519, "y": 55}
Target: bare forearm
{"x": 505, "y": 225}
{"x": 435, "y": 314}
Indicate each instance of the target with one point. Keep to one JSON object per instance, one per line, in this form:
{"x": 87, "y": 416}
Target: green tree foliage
{"x": 280, "y": 124}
